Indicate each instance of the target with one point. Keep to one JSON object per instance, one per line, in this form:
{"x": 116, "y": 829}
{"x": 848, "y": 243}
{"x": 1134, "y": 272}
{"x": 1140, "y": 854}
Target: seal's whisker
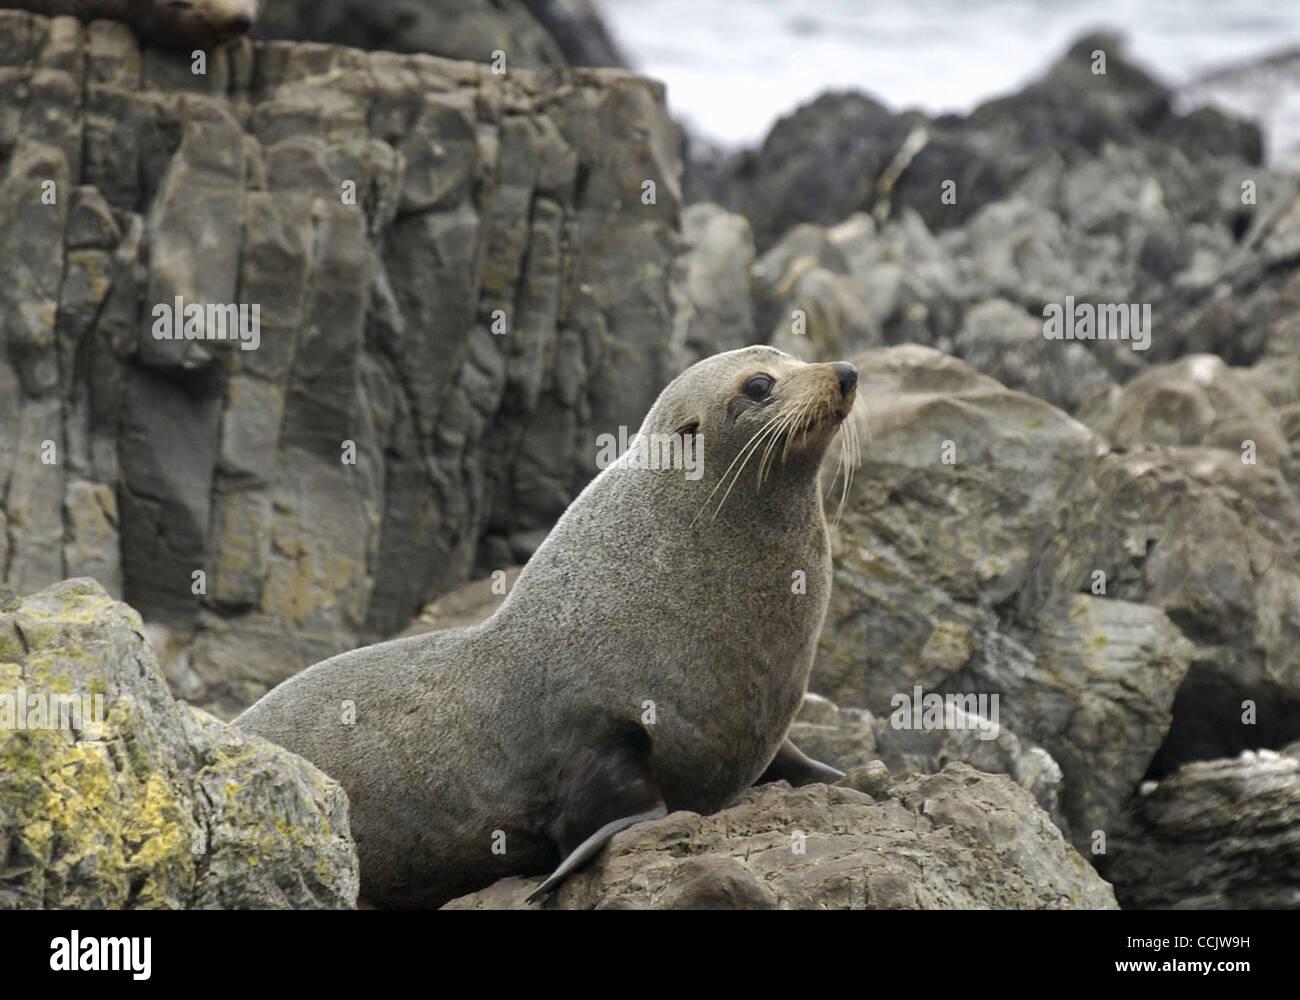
{"x": 797, "y": 426}
{"x": 723, "y": 477}
{"x": 771, "y": 441}
{"x": 739, "y": 472}
{"x": 765, "y": 463}
{"x": 839, "y": 458}
{"x": 849, "y": 456}
{"x": 745, "y": 454}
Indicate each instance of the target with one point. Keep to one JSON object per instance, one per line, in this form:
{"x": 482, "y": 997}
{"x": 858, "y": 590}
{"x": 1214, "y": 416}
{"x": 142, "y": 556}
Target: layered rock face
{"x": 462, "y": 278}
{"x": 113, "y": 795}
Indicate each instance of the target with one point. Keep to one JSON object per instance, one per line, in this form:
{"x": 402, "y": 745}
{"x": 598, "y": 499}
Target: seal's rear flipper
{"x": 605, "y": 786}
{"x": 793, "y": 765}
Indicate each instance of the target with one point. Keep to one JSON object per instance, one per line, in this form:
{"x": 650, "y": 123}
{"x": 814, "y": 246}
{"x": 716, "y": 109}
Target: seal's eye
{"x": 758, "y": 387}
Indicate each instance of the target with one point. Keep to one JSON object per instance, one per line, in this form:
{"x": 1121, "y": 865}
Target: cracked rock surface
{"x": 160, "y": 807}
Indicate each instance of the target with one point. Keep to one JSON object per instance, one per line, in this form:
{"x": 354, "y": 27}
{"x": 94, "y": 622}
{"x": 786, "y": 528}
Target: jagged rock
{"x": 713, "y": 311}
{"x": 820, "y": 163}
{"x": 1215, "y": 545}
{"x": 1215, "y": 834}
{"x": 455, "y": 29}
{"x": 943, "y": 578}
{"x": 134, "y": 801}
{"x": 850, "y": 739}
{"x": 959, "y": 839}
{"x": 579, "y": 31}
{"x": 437, "y": 356}
{"x": 1002, "y": 340}
{"x": 845, "y": 152}
{"x": 1197, "y": 400}
{"x": 854, "y": 285}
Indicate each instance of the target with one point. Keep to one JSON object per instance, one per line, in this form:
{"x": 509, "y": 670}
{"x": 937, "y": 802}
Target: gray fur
{"x": 632, "y": 598}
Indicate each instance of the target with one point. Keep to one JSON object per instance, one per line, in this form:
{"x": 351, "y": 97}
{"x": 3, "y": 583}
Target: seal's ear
{"x": 606, "y": 784}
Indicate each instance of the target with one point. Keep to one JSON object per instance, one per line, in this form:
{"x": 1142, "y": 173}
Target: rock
{"x": 1197, "y": 400}
{"x": 472, "y": 30}
{"x": 1215, "y": 834}
{"x": 436, "y": 358}
{"x": 850, "y": 739}
{"x": 822, "y": 293}
{"x": 1005, "y": 342}
{"x": 1214, "y": 544}
{"x": 954, "y": 840}
{"x": 131, "y": 800}
{"x": 579, "y": 30}
{"x": 969, "y": 738}
{"x": 467, "y": 605}
{"x": 819, "y": 164}
{"x": 711, "y": 286}
{"x": 845, "y": 152}
{"x": 1260, "y": 89}
{"x": 955, "y": 576}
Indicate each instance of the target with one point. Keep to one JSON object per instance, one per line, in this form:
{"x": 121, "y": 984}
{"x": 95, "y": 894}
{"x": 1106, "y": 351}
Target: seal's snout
{"x": 848, "y": 376}
{"x": 242, "y": 24}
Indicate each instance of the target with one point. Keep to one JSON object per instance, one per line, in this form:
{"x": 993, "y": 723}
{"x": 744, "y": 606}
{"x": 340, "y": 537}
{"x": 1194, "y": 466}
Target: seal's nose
{"x": 242, "y": 24}
{"x": 848, "y": 376}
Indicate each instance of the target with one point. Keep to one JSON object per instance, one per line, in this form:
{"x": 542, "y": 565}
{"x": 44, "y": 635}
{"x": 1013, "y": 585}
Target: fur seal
{"x": 173, "y": 24}
{"x": 650, "y": 657}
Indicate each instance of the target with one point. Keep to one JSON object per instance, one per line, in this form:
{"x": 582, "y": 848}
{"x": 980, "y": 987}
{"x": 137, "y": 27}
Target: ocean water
{"x": 733, "y": 66}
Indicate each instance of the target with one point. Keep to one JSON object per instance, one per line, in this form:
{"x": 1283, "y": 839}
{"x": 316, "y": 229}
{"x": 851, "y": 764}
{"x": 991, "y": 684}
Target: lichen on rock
{"x": 142, "y": 802}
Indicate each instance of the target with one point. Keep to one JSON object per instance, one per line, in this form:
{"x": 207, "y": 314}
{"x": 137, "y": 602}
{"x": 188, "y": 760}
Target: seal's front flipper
{"x": 793, "y": 765}
{"x": 605, "y": 786}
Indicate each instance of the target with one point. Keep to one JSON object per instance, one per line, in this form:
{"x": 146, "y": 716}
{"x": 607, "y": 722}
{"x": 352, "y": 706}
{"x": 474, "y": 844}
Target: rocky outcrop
{"x": 954, "y": 840}
{"x": 850, "y": 738}
{"x": 579, "y": 30}
{"x": 845, "y": 152}
{"x": 522, "y": 34}
{"x": 712, "y": 307}
{"x": 472, "y": 30}
{"x": 1259, "y": 89}
{"x": 1216, "y": 834}
{"x": 112, "y": 795}
{"x": 463, "y": 278}
{"x": 1123, "y": 606}
{"x": 1083, "y": 190}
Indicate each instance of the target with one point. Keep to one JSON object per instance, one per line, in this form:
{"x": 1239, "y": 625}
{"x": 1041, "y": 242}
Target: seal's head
{"x": 185, "y": 24}
{"x": 757, "y": 408}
